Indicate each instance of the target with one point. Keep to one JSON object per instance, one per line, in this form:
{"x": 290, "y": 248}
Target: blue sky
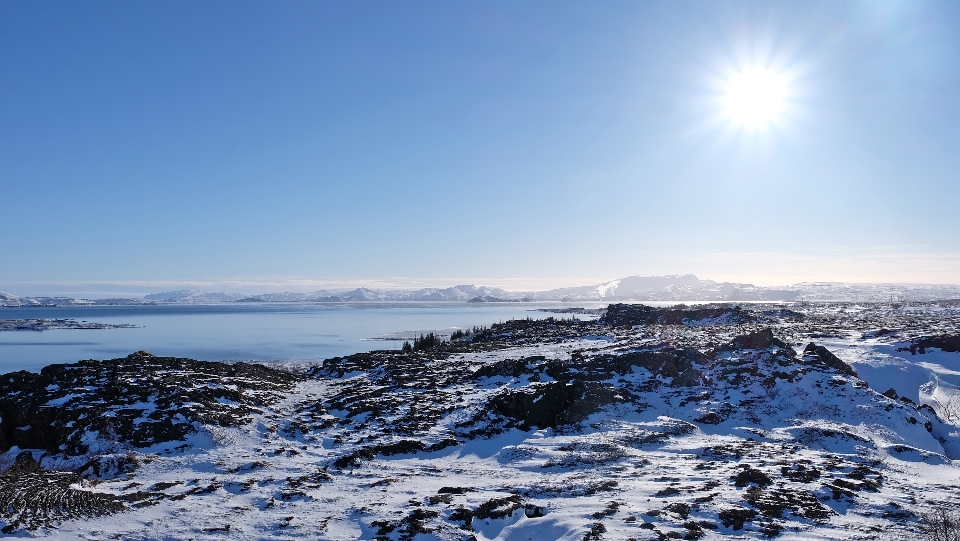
{"x": 289, "y": 145}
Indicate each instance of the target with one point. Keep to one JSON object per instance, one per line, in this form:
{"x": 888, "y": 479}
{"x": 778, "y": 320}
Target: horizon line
{"x": 278, "y": 285}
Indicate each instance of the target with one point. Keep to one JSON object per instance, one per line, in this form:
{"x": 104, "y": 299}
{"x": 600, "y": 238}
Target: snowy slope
{"x": 751, "y": 425}
{"x": 7, "y": 299}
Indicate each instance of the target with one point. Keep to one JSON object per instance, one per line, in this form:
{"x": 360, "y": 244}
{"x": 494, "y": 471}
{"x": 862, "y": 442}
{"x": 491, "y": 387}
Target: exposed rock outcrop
{"x": 139, "y": 400}
{"x": 629, "y": 315}
{"x": 822, "y": 356}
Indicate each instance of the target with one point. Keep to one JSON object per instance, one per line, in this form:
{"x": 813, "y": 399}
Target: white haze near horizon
{"x": 139, "y": 289}
{"x": 501, "y": 144}
{"x": 760, "y": 269}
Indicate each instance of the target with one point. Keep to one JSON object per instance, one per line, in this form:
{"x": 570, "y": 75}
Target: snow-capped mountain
{"x": 680, "y": 288}
{"x": 686, "y": 287}
{"x": 193, "y": 296}
{"x": 455, "y": 293}
{"x": 7, "y": 299}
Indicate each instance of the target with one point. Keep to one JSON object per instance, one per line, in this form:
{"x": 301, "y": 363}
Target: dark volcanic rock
{"x": 752, "y": 476}
{"x": 579, "y": 389}
{"x": 139, "y": 400}
{"x": 678, "y": 364}
{"x": 34, "y": 500}
{"x": 772, "y": 502}
{"x": 24, "y": 463}
{"x": 396, "y": 448}
{"x": 822, "y": 356}
{"x": 509, "y": 368}
{"x": 736, "y": 517}
{"x": 946, "y": 342}
{"x": 554, "y": 404}
{"x": 628, "y": 315}
{"x": 762, "y": 339}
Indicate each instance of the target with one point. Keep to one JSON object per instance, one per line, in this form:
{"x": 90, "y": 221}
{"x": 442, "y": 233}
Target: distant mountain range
{"x": 456, "y": 293}
{"x": 686, "y": 287}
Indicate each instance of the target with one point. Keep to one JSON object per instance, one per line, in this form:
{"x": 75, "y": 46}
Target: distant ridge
{"x": 676, "y": 287}
{"x": 679, "y": 287}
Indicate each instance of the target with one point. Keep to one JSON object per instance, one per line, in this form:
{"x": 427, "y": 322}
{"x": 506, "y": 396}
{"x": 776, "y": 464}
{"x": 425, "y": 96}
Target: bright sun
{"x": 754, "y": 97}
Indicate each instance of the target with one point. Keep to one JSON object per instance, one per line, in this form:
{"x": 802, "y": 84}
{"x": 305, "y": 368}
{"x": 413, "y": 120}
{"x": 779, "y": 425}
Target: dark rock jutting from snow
{"x": 555, "y": 403}
{"x": 582, "y": 385}
{"x": 34, "y": 500}
{"x": 946, "y": 342}
{"x": 579, "y": 390}
{"x": 629, "y": 315}
{"x": 823, "y": 356}
{"x": 139, "y": 400}
{"x": 762, "y": 339}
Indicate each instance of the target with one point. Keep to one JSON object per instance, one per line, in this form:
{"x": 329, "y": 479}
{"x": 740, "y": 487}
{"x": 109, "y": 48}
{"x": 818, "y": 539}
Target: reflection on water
{"x": 245, "y": 331}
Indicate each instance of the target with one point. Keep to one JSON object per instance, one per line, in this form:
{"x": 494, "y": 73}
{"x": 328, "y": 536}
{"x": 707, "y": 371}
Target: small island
{"x": 45, "y": 324}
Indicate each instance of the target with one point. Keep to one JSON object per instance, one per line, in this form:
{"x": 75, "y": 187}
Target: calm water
{"x": 244, "y": 331}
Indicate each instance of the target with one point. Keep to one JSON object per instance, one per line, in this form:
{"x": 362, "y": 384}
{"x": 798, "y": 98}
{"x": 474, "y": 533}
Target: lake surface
{"x": 260, "y": 332}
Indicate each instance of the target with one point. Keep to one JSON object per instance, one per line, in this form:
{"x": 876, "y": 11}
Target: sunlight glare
{"x": 754, "y": 97}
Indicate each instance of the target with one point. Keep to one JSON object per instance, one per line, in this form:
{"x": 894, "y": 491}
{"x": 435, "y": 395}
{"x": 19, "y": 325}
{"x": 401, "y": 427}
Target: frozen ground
{"x": 796, "y": 422}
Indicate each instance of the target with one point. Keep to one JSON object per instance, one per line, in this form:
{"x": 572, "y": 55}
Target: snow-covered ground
{"x": 731, "y": 427}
